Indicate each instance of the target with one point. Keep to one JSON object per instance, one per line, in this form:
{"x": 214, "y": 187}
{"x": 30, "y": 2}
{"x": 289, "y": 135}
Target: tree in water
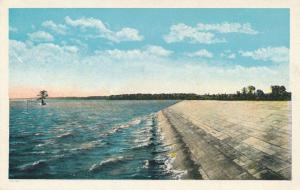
{"x": 42, "y": 96}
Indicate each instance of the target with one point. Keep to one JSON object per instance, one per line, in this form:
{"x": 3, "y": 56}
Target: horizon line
{"x": 126, "y": 94}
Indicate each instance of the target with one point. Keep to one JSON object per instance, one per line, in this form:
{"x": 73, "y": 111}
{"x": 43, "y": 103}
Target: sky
{"x": 90, "y": 52}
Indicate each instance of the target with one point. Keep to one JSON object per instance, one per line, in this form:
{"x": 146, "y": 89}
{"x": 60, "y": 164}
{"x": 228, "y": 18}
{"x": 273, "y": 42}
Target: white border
{"x": 293, "y": 184}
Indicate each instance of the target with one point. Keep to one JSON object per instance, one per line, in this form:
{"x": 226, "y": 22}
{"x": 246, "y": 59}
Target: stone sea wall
{"x": 229, "y": 139}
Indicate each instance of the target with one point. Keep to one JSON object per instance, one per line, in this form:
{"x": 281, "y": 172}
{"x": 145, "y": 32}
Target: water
{"x": 87, "y": 139}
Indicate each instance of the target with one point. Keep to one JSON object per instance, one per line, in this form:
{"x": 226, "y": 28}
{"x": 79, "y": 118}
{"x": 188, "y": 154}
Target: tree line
{"x": 251, "y": 93}
{"x": 246, "y": 93}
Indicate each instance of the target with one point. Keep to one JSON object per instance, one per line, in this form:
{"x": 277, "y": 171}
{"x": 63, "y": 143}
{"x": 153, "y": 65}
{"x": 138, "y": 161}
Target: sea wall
{"x": 229, "y": 139}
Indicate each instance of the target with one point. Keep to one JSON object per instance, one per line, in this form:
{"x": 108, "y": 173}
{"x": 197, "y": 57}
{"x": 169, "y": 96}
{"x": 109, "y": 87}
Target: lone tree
{"x": 42, "y": 96}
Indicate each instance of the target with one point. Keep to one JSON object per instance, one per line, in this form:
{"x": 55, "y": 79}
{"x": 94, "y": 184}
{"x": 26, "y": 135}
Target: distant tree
{"x": 42, "y": 96}
{"x": 244, "y": 91}
{"x": 260, "y": 93}
{"x": 275, "y": 90}
{"x": 282, "y": 90}
{"x": 278, "y": 90}
{"x": 251, "y": 89}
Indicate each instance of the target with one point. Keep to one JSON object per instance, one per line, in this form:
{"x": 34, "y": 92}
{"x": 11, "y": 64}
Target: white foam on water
{"x": 146, "y": 164}
{"x": 67, "y": 134}
{"x": 38, "y": 152}
{"x": 88, "y": 145}
{"x": 144, "y": 139}
{"x": 135, "y": 121}
{"x": 108, "y": 161}
{"x": 58, "y": 156}
{"x": 176, "y": 173}
{"x": 33, "y": 165}
{"x": 46, "y": 142}
{"x": 149, "y": 120}
{"x": 119, "y": 127}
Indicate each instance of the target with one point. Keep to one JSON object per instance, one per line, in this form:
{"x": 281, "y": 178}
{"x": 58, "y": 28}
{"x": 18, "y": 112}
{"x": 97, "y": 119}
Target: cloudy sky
{"x": 85, "y": 52}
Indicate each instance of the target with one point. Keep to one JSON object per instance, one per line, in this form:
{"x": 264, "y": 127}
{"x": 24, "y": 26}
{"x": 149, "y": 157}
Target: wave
{"x": 39, "y": 134}
{"x": 168, "y": 154}
{"x": 89, "y": 145}
{"x": 22, "y": 136}
{"x": 176, "y": 173}
{"x": 46, "y": 142}
{"x": 33, "y": 166}
{"x": 39, "y": 152}
{"x": 147, "y": 120}
{"x": 150, "y": 120}
{"x": 164, "y": 153}
{"x": 58, "y": 156}
{"x": 119, "y": 127}
{"x": 146, "y": 164}
{"x": 66, "y": 135}
{"x": 135, "y": 121}
{"x": 104, "y": 163}
{"x": 145, "y": 137}
{"x": 17, "y": 143}
{"x": 143, "y": 145}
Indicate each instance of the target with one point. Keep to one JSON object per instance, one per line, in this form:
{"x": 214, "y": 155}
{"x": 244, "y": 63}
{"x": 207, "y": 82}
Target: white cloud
{"x": 42, "y": 53}
{"x": 149, "y": 52}
{"x": 71, "y": 49}
{"x": 231, "y": 56}
{"x": 274, "y": 54}
{"x": 149, "y": 69}
{"x": 226, "y": 27}
{"x": 205, "y": 33}
{"x": 86, "y": 23}
{"x": 200, "y": 53}
{"x": 58, "y": 28}
{"x": 228, "y": 55}
{"x": 45, "y": 52}
{"x": 158, "y": 51}
{"x": 15, "y": 49}
{"x": 16, "y": 46}
{"x": 40, "y": 36}
{"x": 125, "y": 34}
{"x": 181, "y": 32}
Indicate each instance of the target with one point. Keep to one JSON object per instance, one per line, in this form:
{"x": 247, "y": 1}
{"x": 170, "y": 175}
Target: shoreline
{"x": 229, "y": 140}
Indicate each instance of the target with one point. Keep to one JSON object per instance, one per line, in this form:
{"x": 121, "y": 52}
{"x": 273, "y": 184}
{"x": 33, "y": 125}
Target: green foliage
{"x": 251, "y": 89}
{"x": 175, "y": 96}
{"x": 247, "y": 93}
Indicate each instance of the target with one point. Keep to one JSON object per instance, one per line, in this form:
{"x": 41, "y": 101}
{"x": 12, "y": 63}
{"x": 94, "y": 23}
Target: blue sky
{"x": 81, "y": 52}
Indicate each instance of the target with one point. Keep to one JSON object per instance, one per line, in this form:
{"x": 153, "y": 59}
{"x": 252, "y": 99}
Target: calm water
{"x": 87, "y": 139}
